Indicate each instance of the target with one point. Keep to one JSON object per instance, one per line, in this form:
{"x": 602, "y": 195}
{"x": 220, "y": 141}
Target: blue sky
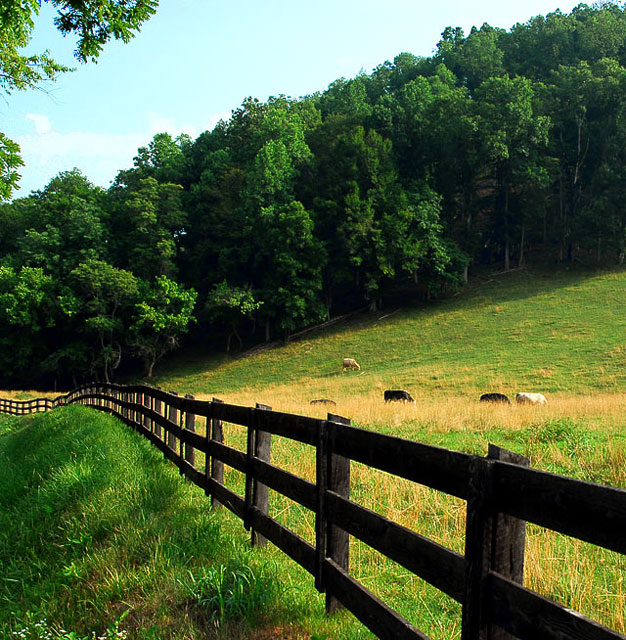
{"x": 196, "y": 60}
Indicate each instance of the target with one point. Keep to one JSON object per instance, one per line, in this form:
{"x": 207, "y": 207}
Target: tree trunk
{"x": 267, "y": 331}
{"x": 521, "y": 246}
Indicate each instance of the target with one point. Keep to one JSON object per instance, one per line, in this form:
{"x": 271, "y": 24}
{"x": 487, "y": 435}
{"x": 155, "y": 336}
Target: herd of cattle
{"x": 400, "y": 395}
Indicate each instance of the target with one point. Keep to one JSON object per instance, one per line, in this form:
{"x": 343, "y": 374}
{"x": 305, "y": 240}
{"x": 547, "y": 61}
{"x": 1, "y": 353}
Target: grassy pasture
{"x": 563, "y": 335}
{"x": 559, "y": 332}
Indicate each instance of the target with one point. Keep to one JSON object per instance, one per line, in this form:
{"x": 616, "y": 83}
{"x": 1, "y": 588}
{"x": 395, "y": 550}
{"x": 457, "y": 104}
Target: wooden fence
{"x": 501, "y": 491}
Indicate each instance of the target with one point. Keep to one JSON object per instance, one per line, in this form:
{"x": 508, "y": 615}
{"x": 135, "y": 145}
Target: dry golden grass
{"x": 580, "y": 576}
{"x": 439, "y": 413}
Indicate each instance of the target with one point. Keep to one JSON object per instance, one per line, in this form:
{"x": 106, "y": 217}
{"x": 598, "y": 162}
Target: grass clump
{"x": 233, "y": 591}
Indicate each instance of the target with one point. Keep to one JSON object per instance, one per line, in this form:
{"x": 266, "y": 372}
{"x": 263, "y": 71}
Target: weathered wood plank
{"x": 217, "y": 439}
{"x": 189, "y": 430}
{"x": 226, "y": 497}
{"x": 299, "y": 428}
{"x": 293, "y": 487}
{"x": 441, "y": 567}
{"x": 438, "y": 468}
{"x": 338, "y": 481}
{"x": 529, "y": 616}
{"x": 227, "y": 455}
{"x": 321, "y": 503}
{"x": 262, "y": 452}
{"x": 478, "y": 546}
{"x": 508, "y": 539}
{"x": 591, "y": 512}
{"x": 231, "y": 413}
{"x": 370, "y": 610}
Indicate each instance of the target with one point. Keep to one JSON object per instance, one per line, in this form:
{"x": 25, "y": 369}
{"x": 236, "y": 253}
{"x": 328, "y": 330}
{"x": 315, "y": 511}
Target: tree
{"x": 147, "y": 218}
{"x": 106, "y": 292}
{"x": 26, "y": 304}
{"x": 513, "y": 132}
{"x": 94, "y": 22}
{"x": 64, "y": 225}
{"x": 230, "y": 306}
{"x": 161, "y": 316}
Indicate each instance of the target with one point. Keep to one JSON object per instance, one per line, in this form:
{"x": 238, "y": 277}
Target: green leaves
{"x": 10, "y": 161}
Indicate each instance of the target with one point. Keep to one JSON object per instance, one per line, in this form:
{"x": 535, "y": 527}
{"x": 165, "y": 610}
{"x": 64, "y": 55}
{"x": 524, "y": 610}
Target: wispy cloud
{"x": 41, "y": 122}
{"x": 99, "y": 156}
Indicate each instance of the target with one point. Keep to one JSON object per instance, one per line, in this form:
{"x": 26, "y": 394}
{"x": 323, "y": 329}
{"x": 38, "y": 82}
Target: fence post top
{"x": 332, "y": 417}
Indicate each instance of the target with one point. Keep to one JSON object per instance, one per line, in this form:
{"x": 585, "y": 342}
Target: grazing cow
{"x": 325, "y": 401}
{"x": 398, "y": 395}
{"x": 350, "y": 363}
{"x": 495, "y": 397}
{"x": 530, "y": 398}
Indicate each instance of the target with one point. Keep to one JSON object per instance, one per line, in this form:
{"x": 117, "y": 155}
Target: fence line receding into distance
{"x": 502, "y": 494}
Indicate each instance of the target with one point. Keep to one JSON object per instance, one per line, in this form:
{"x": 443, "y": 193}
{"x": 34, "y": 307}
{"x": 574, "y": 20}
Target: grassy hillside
{"x": 557, "y": 332}
{"x": 99, "y": 534}
{"x": 563, "y": 334}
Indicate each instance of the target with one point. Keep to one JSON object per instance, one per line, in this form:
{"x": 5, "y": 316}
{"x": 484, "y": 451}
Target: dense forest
{"x": 501, "y": 147}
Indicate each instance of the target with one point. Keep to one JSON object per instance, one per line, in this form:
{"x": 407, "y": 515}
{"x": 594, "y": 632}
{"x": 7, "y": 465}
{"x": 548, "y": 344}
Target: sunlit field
{"x": 566, "y": 339}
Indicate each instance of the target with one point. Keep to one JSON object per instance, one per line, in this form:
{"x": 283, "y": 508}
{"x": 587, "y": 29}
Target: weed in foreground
{"x": 233, "y": 591}
{"x": 41, "y": 630}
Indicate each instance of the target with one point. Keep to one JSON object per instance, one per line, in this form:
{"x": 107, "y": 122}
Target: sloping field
{"x": 561, "y": 332}
{"x": 99, "y": 534}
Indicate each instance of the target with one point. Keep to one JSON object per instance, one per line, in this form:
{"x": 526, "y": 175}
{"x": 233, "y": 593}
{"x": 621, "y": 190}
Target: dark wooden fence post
{"x": 493, "y": 542}
{"x": 260, "y": 492}
{"x": 157, "y": 409}
{"x": 338, "y": 480}
{"x": 147, "y": 403}
{"x": 321, "y": 514}
{"x": 217, "y": 466}
{"x": 172, "y": 416}
{"x": 190, "y": 425}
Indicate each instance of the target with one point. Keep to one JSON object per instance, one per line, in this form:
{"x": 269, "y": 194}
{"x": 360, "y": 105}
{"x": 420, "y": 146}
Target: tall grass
{"x": 581, "y": 437}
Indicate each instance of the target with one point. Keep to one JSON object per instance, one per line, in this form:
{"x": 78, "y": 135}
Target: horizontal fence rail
{"x": 502, "y": 494}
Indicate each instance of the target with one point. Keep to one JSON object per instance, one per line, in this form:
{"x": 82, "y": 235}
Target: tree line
{"x": 502, "y": 146}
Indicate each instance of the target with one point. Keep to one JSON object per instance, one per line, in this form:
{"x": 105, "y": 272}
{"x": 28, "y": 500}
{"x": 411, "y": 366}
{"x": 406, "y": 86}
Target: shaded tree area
{"x": 501, "y": 148}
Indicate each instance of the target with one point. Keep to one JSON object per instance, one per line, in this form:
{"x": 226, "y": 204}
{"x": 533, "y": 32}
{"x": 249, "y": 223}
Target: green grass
{"x": 95, "y": 527}
{"x": 560, "y": 332}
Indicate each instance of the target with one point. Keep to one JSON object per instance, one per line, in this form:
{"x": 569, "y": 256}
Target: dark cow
{"x": 495, "y": 397}
{"x": 398, "y": 395}
{"x": 325, "y": 401}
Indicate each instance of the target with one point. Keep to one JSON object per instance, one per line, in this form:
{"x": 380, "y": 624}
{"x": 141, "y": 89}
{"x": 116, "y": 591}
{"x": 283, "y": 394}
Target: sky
{"x": 197, "y": 60}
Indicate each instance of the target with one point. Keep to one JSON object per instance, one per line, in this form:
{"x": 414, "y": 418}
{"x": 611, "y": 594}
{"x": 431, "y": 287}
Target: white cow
{"x": 530, "y": 398}
{"x": 350, "y": 363}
